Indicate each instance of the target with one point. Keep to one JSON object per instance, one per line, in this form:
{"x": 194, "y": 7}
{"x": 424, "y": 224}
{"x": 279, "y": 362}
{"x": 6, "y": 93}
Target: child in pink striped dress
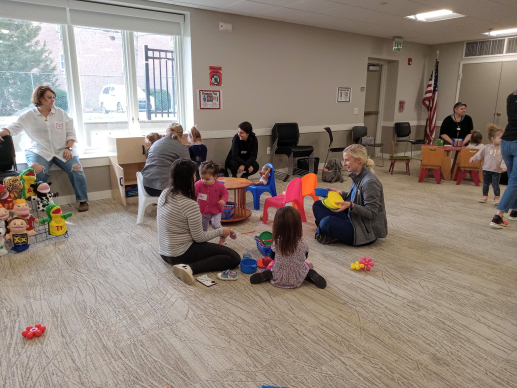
{"x": 289, "y": 251}
{"x": 211, "y": 195}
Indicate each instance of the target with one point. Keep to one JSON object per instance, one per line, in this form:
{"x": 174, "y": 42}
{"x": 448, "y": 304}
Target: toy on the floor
{"x": 18, "y": 234}
{"x": 56, "y": 220}
{"x": 37, "y": 331}
{"x": 22, "y": 209}
{"x": 43, "y": 194}
{"x": 27, "y": 177}
{"x": 3, "y": 230}
{"x": 7, "y": 196}
{"x": 364, "y": 263}
{"x": 264, "y": 262}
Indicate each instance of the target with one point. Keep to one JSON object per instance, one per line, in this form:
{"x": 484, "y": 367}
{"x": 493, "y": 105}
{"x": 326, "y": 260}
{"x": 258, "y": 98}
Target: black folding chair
{"x": 332, "y": 149}
{"x": 358, "y": 132}
{"x": 285, "y": 142}
{"x": 7, "y": 158}
{"x": 403, "y": 132}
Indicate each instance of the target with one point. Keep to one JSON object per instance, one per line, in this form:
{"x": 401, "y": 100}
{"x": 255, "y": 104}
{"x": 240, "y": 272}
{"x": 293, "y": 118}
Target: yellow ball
{"x": 352, "y": 266}
{"x": 361, "y": 265}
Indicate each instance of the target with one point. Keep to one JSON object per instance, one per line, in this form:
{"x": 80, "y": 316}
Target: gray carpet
{"x": 438, "y": 310}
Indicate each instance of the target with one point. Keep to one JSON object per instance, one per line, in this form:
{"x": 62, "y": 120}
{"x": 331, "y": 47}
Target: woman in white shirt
{"x": 53, "y": 136}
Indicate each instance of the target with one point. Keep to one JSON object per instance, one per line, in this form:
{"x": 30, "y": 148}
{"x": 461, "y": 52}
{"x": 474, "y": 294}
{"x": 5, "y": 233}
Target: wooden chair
{"x": 431, "y": 160}
{"x": 394, "y": 159}
{"x": 465, "y": 167}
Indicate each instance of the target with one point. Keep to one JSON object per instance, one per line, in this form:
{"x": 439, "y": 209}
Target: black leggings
{"x": 153, "y": 192}
{"x": 233, "y": 165}
{"x": 493, "y": 178}
{"x": 206, "y": 257}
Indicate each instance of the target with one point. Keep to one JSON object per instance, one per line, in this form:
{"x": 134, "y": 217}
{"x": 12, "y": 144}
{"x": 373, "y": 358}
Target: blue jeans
{"x": 337, "y": 225}
{"x": 76, "y": 176}
{"x": 509, "y": 199}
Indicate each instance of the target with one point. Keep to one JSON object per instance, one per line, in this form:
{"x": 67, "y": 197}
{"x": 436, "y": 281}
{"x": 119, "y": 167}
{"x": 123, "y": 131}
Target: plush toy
{"x": 4, "y": 214}
{"x": 19, "y": 234}
{"x": 22, "y": 209}
{"x": 7, "y": 197}
{"x": 27, "y": 177}
{"x": 3, "y": 229}
{"x": 43, "y": 194}
{"x": 56, "y": 220}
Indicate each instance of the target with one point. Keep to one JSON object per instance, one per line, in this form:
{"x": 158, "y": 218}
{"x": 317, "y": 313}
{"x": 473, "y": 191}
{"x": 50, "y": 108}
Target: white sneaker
{"x": 497, "y": 200}
{"x": 184, "y": 272}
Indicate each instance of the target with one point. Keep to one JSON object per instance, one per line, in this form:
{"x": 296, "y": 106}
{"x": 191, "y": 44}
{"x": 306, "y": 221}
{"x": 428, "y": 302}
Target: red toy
{"x": 34, "y": 331}
{"x": 364, "y": 263}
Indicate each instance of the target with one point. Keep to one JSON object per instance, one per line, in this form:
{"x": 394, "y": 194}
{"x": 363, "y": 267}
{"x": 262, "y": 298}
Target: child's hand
{"x": 221, "y": 202}
{"x": 472, "y": 160}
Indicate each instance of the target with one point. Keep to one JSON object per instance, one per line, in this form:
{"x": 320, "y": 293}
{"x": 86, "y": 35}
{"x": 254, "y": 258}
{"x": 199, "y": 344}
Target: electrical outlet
{"x": 268, "y": 150}
{"x": 356, "y": 111}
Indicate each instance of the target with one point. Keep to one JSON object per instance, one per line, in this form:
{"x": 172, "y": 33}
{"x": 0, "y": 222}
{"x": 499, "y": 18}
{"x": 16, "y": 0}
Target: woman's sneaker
{"x": 498, "y": 222}
{"x": 497, "y": 200}
{"x": 483, "y": 199}
{"x": 513, "y": 215}
{"x": 184, "y": 272}
{"x": 325, "y": 239}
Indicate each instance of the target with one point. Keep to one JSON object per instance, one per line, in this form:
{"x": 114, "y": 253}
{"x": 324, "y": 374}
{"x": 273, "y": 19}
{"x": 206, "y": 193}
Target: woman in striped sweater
{"x": 181, "y": 239}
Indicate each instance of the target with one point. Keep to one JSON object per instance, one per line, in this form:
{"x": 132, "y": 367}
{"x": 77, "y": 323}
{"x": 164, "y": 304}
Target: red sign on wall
{"x": 216, "y": 76}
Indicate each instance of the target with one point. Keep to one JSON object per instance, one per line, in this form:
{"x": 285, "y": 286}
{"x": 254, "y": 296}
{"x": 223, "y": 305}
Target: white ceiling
{"x": 384, "y": 18}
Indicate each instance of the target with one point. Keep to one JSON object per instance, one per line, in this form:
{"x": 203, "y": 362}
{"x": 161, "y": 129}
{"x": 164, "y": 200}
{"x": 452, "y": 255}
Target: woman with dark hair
{"x": 457, "y": 126}
{"x": 53, "y": 141}
{"x": 243, "y": 155}
{"x": 181, "y": 239}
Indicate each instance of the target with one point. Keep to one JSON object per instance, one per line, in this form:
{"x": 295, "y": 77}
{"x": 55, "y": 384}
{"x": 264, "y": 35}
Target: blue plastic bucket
{"x": 248, "y": 265}
{"x": 321, "y": 192}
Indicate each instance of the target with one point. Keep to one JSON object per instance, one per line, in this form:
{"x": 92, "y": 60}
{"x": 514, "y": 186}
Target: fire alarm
{"x": 409, "y": 61}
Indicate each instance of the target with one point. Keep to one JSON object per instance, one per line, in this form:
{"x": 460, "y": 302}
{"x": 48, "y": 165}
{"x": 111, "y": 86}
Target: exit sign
{"x": 397, "y": 46}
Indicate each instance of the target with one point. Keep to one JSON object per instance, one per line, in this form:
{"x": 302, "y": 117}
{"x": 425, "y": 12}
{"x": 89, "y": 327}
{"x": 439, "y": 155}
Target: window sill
{"x": 87, "y": 160}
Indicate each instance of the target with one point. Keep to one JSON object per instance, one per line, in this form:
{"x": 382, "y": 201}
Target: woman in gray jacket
{"x": 361, "y": 219}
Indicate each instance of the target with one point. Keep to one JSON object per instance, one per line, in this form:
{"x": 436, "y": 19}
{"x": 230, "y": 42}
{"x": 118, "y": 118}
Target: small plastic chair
{"x": 144, "y": 199}
{"x": 292, "y": 194}
{"x": 431, "y": 160}
{"x": 270, "y": 188}
{"x": 309, "y": 183}
{"x": 465, "y": 167}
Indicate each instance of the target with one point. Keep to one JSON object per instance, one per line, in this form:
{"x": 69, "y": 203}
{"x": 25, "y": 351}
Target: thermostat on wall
{"x": 227, "y": 27}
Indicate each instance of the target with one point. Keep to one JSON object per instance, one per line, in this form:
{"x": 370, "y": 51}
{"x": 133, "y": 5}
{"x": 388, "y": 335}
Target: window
{"x": 62, "y": 62}
{"x": 43, "y": 64}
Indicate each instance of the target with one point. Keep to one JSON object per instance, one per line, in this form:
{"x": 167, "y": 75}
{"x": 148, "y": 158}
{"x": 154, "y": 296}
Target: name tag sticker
{"x": 244, "y": 152}
{"x": 59, "y": 126}
{"x": 202, "y": 197}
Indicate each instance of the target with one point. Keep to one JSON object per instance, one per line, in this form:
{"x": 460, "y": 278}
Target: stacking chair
{"x": 144, "y": 199}
{"x": 358, "y": 132}
{"x": 332, "y": 149}
{"x": 293, "y": 194}
{"x": 465, "y": 167}
{"x": 431, "y": 160}
{"x": 394, "y": 159}
{"x": 285, "y": 142}
{"x": 309, "y": 183}
{"x": 403, "y": 132}
{"x": 270, "y": 188}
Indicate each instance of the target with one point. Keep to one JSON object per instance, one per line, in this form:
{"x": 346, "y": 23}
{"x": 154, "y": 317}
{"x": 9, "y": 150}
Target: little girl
{"x": 289, "y": 250}
{"x": 493, "y": 165}
{"x": 211, "y": 195}
{"x": 197, "y": 150}
{"x": 476, "y": 140}
{"x": 150, "y": 139}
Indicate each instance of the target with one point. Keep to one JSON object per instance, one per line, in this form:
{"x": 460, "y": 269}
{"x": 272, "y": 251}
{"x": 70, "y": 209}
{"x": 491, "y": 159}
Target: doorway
{"x": 372, "y": 101}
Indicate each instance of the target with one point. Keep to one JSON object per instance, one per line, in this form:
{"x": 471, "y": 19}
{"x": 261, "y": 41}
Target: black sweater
{"x": 243, "y": 151}
{"x": 449, "y": 127}
{"x": 510, "y": 133}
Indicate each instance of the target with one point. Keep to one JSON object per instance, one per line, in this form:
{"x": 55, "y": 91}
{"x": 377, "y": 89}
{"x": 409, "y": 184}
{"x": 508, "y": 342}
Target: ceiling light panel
{"x": 511, "y": 31}
{"x": 435, "y": 16}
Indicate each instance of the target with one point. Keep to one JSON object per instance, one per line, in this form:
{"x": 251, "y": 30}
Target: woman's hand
{"x": 241, "y": 168}
{"x": 250, "y": 169}
{"x": 67, "y": 154}
{"x": 221, "y": 202}
{"x": 226, "y": 231}
{"x": 344, "y": 206}
{"x": 335, "y": 190}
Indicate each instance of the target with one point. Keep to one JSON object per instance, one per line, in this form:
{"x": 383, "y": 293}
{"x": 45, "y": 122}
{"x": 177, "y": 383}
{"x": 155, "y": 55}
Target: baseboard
{"x": 94, "y": 196}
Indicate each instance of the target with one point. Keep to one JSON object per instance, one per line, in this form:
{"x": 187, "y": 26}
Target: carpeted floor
{"x": 438, "y": 310}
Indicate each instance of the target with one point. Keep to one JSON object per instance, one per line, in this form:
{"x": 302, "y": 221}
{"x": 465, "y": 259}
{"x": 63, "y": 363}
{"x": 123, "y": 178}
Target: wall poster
{"x": 210, "y": 99}
{"x": 344, "y": 94}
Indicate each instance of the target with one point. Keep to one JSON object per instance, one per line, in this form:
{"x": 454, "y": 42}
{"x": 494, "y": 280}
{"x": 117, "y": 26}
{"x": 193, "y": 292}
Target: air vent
{"x": 511, "y": 46}
{"x": 484, "y": 47}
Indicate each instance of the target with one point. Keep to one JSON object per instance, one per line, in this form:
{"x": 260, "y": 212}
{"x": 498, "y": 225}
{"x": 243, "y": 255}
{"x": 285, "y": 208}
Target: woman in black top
{"x": 457, "y": 126}
{"x": 243, "y": 155}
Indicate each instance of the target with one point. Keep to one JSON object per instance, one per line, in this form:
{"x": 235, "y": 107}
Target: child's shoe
{"x": 317, "y": 279}
{"x": 497, "y": 200}
{"x": 498, "y": 222}
{"x": 227, "y": 275}
{"x": 184, "y": 272}
{"x": 513, "y": 215}
{"x": 260, "y": 277}
{"x": 484, "y": 199}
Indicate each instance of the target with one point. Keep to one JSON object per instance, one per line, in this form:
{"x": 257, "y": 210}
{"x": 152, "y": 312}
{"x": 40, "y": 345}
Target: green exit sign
{"x": 397, "y": 46}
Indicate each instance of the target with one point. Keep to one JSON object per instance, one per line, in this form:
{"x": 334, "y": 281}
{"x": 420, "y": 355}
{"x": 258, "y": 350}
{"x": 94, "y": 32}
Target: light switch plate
{"x": 356, "y": 111}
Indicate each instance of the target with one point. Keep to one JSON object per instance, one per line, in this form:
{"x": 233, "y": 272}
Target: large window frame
{"x": 166, "y": 19}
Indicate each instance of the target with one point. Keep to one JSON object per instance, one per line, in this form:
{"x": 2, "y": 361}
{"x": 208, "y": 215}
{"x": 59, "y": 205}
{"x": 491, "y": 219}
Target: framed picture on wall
{"x": 210, "y": 99}
{"x": 344, "y": 94}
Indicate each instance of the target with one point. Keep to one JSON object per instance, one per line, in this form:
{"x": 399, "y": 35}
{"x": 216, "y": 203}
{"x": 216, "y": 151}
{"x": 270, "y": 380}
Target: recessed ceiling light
{"x": 5, "y": 31}
{"x": 435, "y": 16}
{"x": 511, "y": 31}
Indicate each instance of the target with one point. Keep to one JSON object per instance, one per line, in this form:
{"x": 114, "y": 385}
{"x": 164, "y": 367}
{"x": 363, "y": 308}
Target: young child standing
{"x": 493, "y": 165}
{"x": 211, "y": 195}
{"x": 197, "y": 150}
{"x": 289, "y": 250}
{"x": 476, "y": 140}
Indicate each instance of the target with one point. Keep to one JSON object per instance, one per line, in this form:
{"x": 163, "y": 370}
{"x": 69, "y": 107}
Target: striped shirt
{"x": 179, "y": 225}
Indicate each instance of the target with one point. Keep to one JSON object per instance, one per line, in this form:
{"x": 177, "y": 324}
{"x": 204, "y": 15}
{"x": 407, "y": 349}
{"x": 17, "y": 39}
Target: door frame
{"x": 382, "y": 97}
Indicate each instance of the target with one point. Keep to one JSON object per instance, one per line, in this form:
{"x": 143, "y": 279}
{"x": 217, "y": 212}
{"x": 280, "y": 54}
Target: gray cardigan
{"x": 162, "y": 154}
{"x": 369, "y": 213}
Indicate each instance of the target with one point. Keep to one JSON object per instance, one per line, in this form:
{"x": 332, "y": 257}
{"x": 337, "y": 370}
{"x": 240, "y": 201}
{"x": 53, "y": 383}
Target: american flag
{"x": 429, "y": 101}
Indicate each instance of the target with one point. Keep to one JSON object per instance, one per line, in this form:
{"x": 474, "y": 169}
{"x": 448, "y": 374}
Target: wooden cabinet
{"x": 127, "y": 156}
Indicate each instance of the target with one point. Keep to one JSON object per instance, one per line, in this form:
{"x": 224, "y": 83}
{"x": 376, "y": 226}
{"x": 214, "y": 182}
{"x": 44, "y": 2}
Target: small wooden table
{"x": 238, "y": 186}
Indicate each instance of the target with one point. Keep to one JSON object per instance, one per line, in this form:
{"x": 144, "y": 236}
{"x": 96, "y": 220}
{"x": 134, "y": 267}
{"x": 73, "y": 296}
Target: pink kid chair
{"x": 292, "y": 194}
{"x": 309, "y": 183}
